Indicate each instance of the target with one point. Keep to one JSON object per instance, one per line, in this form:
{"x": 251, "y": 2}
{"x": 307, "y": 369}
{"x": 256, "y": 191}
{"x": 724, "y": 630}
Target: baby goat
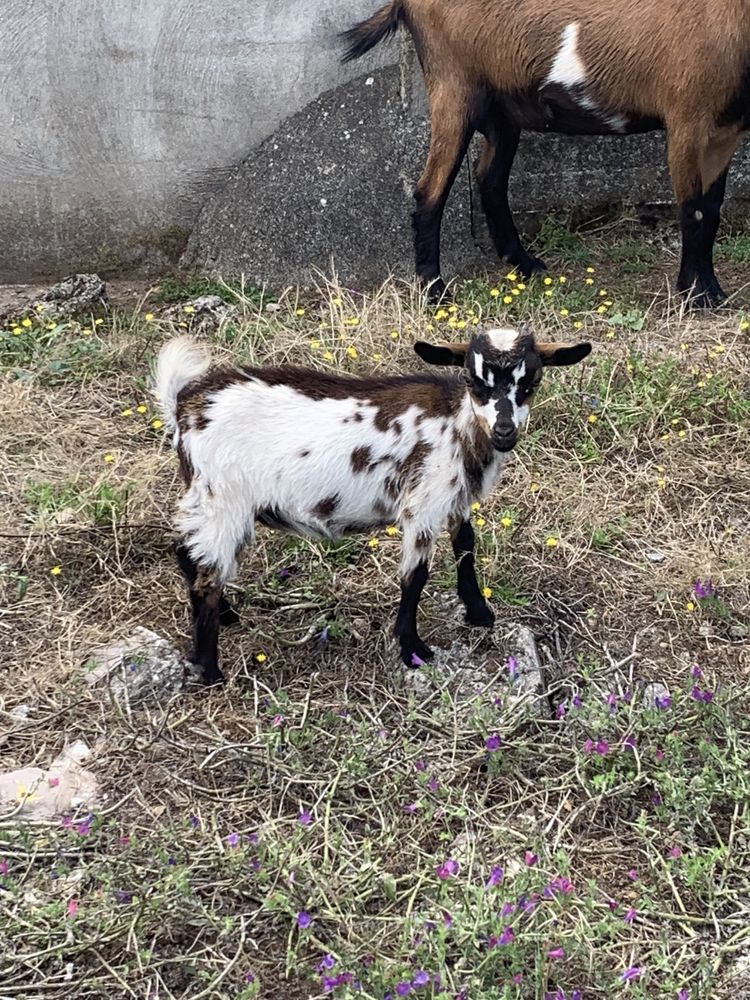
{"x": 580, "y": 67}
{"x": 321, "y": 455}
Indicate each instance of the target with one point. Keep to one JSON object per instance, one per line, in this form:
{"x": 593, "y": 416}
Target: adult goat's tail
{"x": 366, "y": 35}
{"x": 180, "y": 361}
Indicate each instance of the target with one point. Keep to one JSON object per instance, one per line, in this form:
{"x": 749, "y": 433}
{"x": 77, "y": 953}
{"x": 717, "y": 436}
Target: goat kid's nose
{"x": 504, "y": 436}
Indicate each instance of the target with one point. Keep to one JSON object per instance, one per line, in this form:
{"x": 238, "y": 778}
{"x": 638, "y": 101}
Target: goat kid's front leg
{"x": 478, "y": 611}
{"x": 206, "y": 603}
{"x": 415, "y": 557}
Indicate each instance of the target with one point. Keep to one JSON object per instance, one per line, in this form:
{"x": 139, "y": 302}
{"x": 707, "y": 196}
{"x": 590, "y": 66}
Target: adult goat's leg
{"x": 451, "y": 134}
{"x": 699, "y": 169}
{"x": 493, "y": 175}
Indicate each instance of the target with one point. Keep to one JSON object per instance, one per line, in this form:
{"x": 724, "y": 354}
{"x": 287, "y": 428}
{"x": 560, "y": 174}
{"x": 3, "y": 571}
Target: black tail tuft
{"x": 366, "y": 35}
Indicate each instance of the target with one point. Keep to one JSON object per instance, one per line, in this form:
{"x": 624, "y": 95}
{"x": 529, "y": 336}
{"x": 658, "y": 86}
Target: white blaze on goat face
{"x": 520, "y": 413}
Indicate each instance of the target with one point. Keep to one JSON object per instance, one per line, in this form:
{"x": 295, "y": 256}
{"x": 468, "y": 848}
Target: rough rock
{"x": 138, "y": 667}
{"x": 74, "y": 296}
{"x": 35, "y": 793}
{"x": 654, "y": 691}
{"x": 335, "y": 181}
{"x": 202, "y": 315}
{"x": 528, "y": 684}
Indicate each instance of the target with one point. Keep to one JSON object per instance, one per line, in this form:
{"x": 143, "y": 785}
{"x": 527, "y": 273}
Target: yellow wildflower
{"x": 149, "y": 317}
{"x": 690, "y": 606}
{"x": 487, "y": 592}
{"x": 56, "y": 570}
{"x": 141, "y": 409}
{"x": 552, "y": 542}
{"x": 535, "y": 487}
{"x": 548, "y": 292}
{"x": 512, "y": 276}
{"x": 562, "y": 279}
{"x": 745, "y": 324}
{"x": 328, "y": 356}
{"x": 156, "y": 424}
{"x": 336, "y": 301}
{"x": 476, "y": 506}
{"x": 593, "y": 418}
{"x": 441, "y": 314}
{"x": 391, "y": 530}
{"x": 589, "y": 281}
{"x": 506, "y": 521}
{"x": 17, "y": 331}
{"x": 377, "y": 356}
{"x": 610, "y": 334}
{"x": 719, "y": 348}
{"x": 494, "y": 292}
{"x": 315, "y": 344}
{"x": 374, "y": 542}
{"x": 39, "y": 307}
{"x": 127, "y": 412}
{"x": 461, "y": 325}
{"x": 661, "y": 482}
{"x": 548, "y": 281}
{"x": 481, "y": 522}
{"x": 430, "y": 327}
{"x": 520, "y": 286}
{"x": 590, "y": 270}
{"x": 565, "y": 312}
{"x": 351, "y": 351}
{"x": 603, "y": 292}
{"x": 26, "y": 322}
{"x": 352, "y": 321}
{"x": 578, "y": 324}
{"x": 514, "y": 291}
{"x": 452, "y": 309}
{"x": 261, "y": 657}
{"x": 394, "y": 334}
{"x": 98, "y": 322}
{"x": 109, "y": 458}
{"x": 682, "y": 434}
{"x": 683, "y": 347}
{"x": 507, "y": 299}
{"x": 299, "y": 312}
{"x": 602, "y": 309}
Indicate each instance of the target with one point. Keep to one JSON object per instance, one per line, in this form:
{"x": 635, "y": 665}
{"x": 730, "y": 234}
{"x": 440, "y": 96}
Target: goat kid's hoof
{"x": 416, "y": 655}
{"x": 208, "y": 676}
{"x": 436, "y": 291}
{"x": 228, "y": 617}
{"x": 482, "y": 617}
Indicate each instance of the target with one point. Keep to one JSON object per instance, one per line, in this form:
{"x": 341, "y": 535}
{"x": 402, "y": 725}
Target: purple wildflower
{"x": 421, "y": 765}
{"x": 530, "y": 858}
{"x": 194, "y": 821}
{"x": 675, "y": 852}
{"x": 403, "y": 989}
{"x": 303, "y": 919}
{"x": 493, "y": 742}
{"x": 327, "y": 963}
{"x": 411, "y": 808}
{"x": 447, "y": 918}
{"x": 588, "y": 746}
{"x": 696, "y": 671}
{"x": 304, "y": 818}
{"x": 556, "y": 953}
{"x": 656, "y": 799}
{"x": 416, "y": 661}
{"x": 662, "y": 702}
{"x": 563, "y": 885}
{"x": 629, "y": 742}
{"x": 507, "y": 909}
{"x": 4, "y": 867}
{"x": 249, "y": 977}
{"x": 507, "y": 937}
{"x": 602, "y": 748}
{"x": 233, "y": 839}
{"x": 612, "y": 904}
{"x": 659, "y": 754}
{"x": 496, "y": 878}
{"x": 630, "y": 916}
{"x": 560, "y": 710}
{"x": 448, "y": 868}
{"x": 422, "y": 978}
{"x": 684, "y": 994}
{"x": 577, "y": 700}
{"x": 512, "y": 666}
{"x": 84, "y": 828}
{"x": 612, "y": 700}
{"x": 433, "y": 784}
{"x": 634, "y": 972}
{"x": 633, "y": 875}
{"x": 704, "y": 590}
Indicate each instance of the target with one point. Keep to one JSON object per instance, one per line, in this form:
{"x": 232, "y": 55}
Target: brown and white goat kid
{"x": 320, "y": 455}
{"x": 580, "y": 67}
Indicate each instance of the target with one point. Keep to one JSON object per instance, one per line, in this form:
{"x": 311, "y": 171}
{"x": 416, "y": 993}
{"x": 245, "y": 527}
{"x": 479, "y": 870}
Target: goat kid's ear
{"x": 559, "y": 355}
{"x": 441, "y": 354}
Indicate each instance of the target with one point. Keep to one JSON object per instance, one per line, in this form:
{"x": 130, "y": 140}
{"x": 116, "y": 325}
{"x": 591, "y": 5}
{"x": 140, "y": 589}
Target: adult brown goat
{"x": 580, "y": 67}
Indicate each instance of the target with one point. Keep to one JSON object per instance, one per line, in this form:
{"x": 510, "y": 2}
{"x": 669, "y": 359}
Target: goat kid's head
{"x": 504, "y": 368}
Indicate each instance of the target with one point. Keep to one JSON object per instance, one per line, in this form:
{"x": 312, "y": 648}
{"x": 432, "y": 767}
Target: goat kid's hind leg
{"x": 451, "y": 134}
{"x": 493, "y": 174}
{"x": 415, "y": 558}
{"x": 204, "y": 588}
{"x": 478, "y": 611}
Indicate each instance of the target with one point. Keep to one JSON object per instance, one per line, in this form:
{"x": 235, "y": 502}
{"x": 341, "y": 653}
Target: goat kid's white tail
{"x": 180, "y": 361}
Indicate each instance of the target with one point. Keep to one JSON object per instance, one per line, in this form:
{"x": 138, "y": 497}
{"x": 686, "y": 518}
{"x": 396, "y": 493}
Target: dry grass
{"x": 646, "y": 499}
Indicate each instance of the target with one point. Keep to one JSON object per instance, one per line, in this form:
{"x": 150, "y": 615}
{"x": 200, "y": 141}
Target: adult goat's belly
{"x": 570, "y": 111}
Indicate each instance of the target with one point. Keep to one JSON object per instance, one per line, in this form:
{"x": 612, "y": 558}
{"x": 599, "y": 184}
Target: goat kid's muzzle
{"x": 504, "y": 435}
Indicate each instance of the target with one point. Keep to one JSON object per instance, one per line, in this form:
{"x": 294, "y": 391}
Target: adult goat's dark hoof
{"x": 415, "y": 652}
{"x": 526, "y": 264}
{"x": 702, "y": 294}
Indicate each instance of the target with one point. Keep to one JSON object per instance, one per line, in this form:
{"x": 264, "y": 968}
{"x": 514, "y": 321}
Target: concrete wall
{"x": 119, "y": 117}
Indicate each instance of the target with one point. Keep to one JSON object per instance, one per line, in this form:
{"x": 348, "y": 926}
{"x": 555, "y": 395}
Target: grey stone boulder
{"x": 141, "y": 666}
{"x": 333, "y": 187}
{"x": 35, "y": 793}
{"x": 76, "y": 295}
{"x": 202, "y": 315}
